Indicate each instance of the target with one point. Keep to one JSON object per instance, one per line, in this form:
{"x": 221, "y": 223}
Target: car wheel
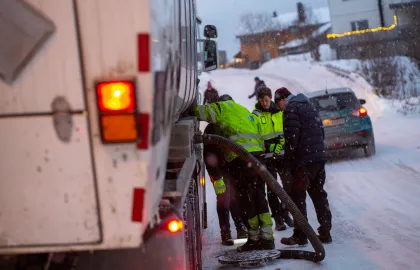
{"x": 370, "y": 149}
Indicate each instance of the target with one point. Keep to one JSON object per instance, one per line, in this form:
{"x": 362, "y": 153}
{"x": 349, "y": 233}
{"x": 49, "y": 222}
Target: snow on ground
{"x": 374, "y": 201}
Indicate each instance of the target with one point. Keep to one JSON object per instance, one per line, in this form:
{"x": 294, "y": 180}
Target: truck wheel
{"x": 370, "y": 148}
{"x": 192, "y": 227}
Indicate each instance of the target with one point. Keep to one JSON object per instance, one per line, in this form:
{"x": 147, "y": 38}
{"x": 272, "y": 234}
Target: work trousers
{"x": 251, "y": 189}
{"x": 311, "y": 179}
{"x": 278, "y": 209}
{"x": 227, "y": 202}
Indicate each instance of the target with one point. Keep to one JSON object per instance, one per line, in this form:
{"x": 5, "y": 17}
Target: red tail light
{"x": 175, "y": 225}
{"x": 117, "y": 111}
{"x": 361, "y": 112}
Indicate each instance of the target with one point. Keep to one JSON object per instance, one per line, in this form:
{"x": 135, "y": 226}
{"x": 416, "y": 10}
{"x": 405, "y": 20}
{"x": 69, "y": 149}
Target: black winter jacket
{"x": 303, "y": 132}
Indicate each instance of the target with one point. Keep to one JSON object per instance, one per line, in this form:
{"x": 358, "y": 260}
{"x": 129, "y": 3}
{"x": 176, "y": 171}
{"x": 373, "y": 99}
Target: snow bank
{"x": 296, "y": 73}
{"x": 408, "y": 81}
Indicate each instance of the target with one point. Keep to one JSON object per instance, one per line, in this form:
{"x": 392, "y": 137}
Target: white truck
{"x": 98, "y": 165}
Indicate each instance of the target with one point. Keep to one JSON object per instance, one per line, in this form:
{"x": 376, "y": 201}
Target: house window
{"x": 359, "y": 25}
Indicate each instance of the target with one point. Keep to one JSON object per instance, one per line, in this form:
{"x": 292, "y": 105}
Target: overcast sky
{"x": 225, "y": 14}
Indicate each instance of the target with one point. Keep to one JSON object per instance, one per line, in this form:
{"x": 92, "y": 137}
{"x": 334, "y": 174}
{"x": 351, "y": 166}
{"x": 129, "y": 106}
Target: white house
{"x": 368, "y": 27}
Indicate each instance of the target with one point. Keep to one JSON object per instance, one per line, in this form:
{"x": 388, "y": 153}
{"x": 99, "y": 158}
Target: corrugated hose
{"x": 314, "y": 256}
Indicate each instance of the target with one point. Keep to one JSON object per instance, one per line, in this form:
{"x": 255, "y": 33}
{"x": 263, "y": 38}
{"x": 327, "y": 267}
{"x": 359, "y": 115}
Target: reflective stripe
{"x": 219, "y": 187}
{"x": 257, "y": 113}
{"x": 249, "y": 144}
{"x": 245, "y": 136}
{"x": 281, "y": 152}
{"x": 266, "y": 230}
{"x": 212, "y": 114}
{"x": 202, "y": 113}
{"x": 272, "y": 135}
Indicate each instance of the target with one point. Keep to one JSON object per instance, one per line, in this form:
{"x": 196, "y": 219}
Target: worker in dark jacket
{"x": 225, "y": 188}
{"x": 258, "y": 84}
{"x": 210, "y": 95}
{"x": 305, "y": 154}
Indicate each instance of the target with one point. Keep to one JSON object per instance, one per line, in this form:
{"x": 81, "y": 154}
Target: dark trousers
{"x": 227, "y": 202}
{"x": 277, "y": 212}
{"x": 251, "y": 189}
{"x": 278, "y": 209}
{"x": 311, "y": 178}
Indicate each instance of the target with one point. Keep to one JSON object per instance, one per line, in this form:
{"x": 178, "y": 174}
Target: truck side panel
{"x": 54, "y": 71}
{"x": 109, "y": 31}
{"x": 48, "y": 190}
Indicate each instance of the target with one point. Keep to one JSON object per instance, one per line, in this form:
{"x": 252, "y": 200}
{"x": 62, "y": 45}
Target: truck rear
{"x": 94, "y": 134}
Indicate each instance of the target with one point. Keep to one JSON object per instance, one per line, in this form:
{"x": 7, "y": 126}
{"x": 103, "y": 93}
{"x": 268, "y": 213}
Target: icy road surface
{"x": 374, "y": 201}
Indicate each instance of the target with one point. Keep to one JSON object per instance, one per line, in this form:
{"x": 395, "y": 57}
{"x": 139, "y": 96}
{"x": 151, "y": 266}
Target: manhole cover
{"x": 250, "y": 258}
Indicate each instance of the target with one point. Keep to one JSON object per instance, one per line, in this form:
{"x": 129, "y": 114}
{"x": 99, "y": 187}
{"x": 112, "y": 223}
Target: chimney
{"x": 301, "y": 12}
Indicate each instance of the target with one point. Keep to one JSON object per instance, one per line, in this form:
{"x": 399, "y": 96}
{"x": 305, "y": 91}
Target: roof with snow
{"x": 319, "y": 15}
{"x": 299, "y": 42}
{"x": 285, "y": 20}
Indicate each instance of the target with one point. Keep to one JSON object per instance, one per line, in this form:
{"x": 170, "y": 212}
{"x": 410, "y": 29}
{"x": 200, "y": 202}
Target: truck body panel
{"x": 63, "y": 188}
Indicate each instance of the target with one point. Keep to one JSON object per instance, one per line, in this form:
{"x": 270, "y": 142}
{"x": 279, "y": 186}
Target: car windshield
{"x": 333, "y": 102}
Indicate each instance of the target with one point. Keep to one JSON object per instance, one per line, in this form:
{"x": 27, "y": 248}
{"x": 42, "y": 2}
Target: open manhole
{"x": 253, "y": 258}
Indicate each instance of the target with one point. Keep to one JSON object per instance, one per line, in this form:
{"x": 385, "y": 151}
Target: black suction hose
{"x": 319, "y": 253}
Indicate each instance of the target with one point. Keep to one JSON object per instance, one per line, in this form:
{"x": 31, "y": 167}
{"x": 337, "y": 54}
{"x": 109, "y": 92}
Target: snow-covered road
{"x": 374, "y": 201}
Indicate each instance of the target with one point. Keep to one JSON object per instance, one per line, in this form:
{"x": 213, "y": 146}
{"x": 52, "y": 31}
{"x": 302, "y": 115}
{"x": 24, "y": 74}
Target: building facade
{"x": 372, "y": 28}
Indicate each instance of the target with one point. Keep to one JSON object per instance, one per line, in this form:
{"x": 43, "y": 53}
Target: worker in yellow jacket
{"x": 236, "y": 123}
{"x": 270, "y": 126}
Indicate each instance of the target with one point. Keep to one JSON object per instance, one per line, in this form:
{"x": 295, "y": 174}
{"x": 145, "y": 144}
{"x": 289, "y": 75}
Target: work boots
{"x": 241, "y": 231}
{"x": 260, "y": 244}
{"x": 325, "y": 237}
{"x": 280, "y": 226}
{"x": 227, "y": 238}
{"x": 295, "y": 239}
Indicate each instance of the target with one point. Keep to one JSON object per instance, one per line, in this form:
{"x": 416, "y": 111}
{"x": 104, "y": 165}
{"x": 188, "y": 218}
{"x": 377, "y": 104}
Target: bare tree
{"x": 253, "y": 23}
{"x": 383, "y": 73}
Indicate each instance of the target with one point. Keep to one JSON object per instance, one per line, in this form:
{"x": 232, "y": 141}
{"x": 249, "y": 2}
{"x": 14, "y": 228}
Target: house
{"x": 370, "y": 28}
{"x": 261, "y": 46}
{"x": 306, "y": 44}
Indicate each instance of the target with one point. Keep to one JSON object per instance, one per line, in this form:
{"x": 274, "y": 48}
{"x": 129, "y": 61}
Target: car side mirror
{"x": 210, "y": 55}
{"x": 210, "y": 31}
{"x": 362, "y": 101}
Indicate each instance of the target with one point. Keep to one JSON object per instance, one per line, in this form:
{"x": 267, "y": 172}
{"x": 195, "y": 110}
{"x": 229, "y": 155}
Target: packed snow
{"x": 374, "y": 201}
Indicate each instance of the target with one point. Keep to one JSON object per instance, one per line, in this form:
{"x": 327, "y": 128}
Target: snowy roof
{"x": 299, "y": 42}
{"x": 319, "y": 16}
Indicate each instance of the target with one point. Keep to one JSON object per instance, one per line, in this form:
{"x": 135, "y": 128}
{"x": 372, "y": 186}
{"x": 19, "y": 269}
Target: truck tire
{"x": 192, "y": 228}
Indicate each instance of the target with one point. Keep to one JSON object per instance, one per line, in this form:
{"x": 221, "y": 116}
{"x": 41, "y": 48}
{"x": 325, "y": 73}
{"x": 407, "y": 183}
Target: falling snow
{"x": 374, "y": 201}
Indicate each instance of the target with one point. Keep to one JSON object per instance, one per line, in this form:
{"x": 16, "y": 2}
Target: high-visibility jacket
{"x": 235, "y": 122}
{"x": 270, "y": 124}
